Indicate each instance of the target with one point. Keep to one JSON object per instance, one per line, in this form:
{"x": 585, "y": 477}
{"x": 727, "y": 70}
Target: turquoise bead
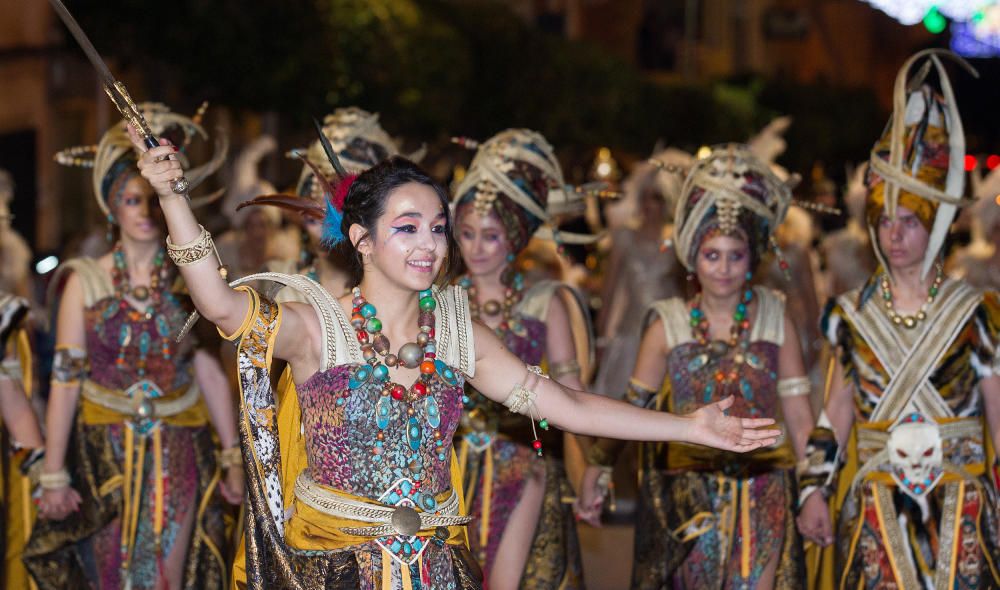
{"x": 368, "y": 310}
{"x": 381, "y": 373}
{"x": 425, "y": 294}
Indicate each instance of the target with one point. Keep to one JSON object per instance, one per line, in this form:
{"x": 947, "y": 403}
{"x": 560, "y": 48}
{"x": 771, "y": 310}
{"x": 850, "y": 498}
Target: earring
{"x": 690, "y": 277}
{"x": 749, "y": 276}
{"x": 110, "y": 236}
{"x": 511, "y": 257}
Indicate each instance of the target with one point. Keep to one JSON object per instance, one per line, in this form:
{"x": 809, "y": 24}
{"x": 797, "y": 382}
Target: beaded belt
{"x": 142, "y": 400}
{"x": 387, "y": 520}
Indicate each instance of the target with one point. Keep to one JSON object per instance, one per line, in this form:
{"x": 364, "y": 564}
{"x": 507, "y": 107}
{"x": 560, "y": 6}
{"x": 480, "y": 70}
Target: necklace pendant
{"x": 492, "y": 308}
{"x": 140, "y": 293}
{"x": 909, "y": 322}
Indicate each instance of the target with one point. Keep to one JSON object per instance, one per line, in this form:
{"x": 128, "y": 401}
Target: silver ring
{"x": 180, "y": 185}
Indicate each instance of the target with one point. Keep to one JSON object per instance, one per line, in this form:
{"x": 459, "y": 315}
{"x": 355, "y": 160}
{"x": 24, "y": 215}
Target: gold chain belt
{"x": 142, "y": 400}
{"x": 387, "y": 520}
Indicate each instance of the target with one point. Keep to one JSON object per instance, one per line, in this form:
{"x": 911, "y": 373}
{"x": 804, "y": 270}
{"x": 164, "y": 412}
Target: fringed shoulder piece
{"x": 96, "y": 283}
{"x": 769, "y": 326}
{"x": 673, "y": 313}
{"x": 535, "y": 304}
{"x": 455, "y": 343}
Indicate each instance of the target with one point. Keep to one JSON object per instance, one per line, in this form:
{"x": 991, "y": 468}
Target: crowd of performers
{"x": 310, "y": 452}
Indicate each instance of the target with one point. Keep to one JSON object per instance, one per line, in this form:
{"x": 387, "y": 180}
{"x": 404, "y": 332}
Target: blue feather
{"x": 332, "y": 235}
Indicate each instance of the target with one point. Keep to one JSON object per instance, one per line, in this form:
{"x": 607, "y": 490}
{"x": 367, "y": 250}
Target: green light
{"x": 978, "y": 17}
{"x": 935, "y": 21}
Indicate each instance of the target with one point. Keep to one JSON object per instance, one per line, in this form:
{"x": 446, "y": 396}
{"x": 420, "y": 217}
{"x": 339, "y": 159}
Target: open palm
{"x": 713, "y": 428}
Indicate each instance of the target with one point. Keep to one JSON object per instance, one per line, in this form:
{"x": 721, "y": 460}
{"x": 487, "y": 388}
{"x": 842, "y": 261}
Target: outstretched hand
{"x": 713, "y": 428}
{"x": 156, "y": 165}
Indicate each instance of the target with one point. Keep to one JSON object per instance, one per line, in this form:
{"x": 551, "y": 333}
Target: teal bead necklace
{"x": 715, "y": 350}
{"x": 135, "y": 320}
{"x": 375, "y": 349}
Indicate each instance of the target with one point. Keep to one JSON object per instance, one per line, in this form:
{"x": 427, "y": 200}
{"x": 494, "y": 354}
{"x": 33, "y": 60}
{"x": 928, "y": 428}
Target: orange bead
{"x": 427, "y": 368}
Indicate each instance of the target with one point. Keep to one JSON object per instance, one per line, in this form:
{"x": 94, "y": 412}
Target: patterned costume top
{"x": 350, "y": 455}
{"x": 525, "y": 336}
{"x": 971, "y": 357}
{"x": 692, "y": 382}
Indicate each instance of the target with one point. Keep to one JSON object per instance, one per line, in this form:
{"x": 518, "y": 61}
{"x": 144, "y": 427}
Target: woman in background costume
{"x": 710, "y": 519}
{"x": 21, "y": 437}
{"x": 639, "y": 270}
{"x": 903, "y": 452}
{"x": 131, "y": 475}
{"x": 522, "y": 532}
{"x": 367, "y": 468}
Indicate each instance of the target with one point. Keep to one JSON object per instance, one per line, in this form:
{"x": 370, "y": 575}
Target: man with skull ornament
{"x": 898, "y": 489}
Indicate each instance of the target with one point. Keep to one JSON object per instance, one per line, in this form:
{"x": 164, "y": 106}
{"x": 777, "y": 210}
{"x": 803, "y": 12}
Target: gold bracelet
{"x": 194, "y": 251}
{"x": 54, "y": 481}
{"x": 231, "y": 457}
{"x": 570, "y": 367}
{"x": 794, "y": 386}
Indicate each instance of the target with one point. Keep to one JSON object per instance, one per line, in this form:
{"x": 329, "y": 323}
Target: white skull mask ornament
{"x": 915, "y": 454}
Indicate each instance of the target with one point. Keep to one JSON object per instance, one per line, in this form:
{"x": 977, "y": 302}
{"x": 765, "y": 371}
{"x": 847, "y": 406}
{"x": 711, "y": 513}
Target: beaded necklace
{"x": 736, "y": 347}
{"x": 135, "y": 324}
{"x": 375, "y": 349}
{"x": 493, "y": 308}
{"x": 911, "y": 321}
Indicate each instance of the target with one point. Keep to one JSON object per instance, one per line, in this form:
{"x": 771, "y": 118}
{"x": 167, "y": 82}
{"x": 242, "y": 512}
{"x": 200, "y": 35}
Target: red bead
{"x": 397, "y": 392}
{"x": 430, "y": 355}
{"x": 427, "y": 368}
{"x": 783, "y": 264}
{"x": 362, "y": 336}
{"x": 719, "y": 377}
{"x": 745, "y": 324}
{"x": 537, "y": 445}
{"x": 420, "y": 389}
{"x": 430, "y": 333}
{"x": 356, "y": 309}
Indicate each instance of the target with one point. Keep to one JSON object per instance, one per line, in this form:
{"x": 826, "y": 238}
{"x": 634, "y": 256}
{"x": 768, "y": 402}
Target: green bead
{"x": 428, "y": 304}
{"x": 934, "y": 291}
{"x": 374, "y": 325}
{"x": 738, "y": 316}
{"x": 543, "y": 424}
{"x": 694, "y": 322}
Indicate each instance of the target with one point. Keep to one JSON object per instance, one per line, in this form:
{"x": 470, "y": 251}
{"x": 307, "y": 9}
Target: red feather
{"x": 340, "y": 194}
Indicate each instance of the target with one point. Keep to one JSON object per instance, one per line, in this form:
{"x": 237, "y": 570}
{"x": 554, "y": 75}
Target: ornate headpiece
{"x": 115, "y": 151}
{"x": 516, "y": 174}
{"x": 333, "y": 187}
{"x": 919, "y": 160}
{"x": 358, "y": 141}
{"x": 730, "y": 190}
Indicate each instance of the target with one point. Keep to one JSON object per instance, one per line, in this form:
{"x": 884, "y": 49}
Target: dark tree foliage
{"x": 447, "y": 67}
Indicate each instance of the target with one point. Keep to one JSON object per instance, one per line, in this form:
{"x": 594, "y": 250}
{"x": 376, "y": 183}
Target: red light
{"x": 993, "y": 161}
{"x": 970, "y": 163}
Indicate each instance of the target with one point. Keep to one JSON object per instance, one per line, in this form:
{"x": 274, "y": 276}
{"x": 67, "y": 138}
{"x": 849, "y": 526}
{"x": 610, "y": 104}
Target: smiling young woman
{"x": 375, "y": 501}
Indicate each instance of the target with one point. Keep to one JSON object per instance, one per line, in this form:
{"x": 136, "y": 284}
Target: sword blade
{"x": 81, "y": 38}
{"x": 114, "y": 89}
